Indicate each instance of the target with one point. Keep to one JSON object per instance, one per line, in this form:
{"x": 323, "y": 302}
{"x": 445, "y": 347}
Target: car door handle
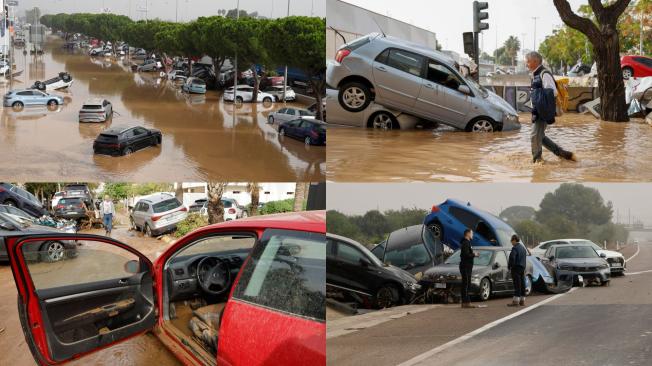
{"x": 123, "y": 281}
{"x": 429, "y": 86}
{"x": 381, "y": 68}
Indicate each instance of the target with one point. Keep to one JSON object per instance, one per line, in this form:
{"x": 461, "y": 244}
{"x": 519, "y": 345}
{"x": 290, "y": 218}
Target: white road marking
{"x": 638, "y": 249}
{"x": 426, "y": 355}
{"x": 636, "y": 273}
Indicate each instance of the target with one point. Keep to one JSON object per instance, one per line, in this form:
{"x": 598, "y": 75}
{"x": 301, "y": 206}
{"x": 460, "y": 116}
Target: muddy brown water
{"x": 607, "y": 152}
{"x": 203, "y": 138}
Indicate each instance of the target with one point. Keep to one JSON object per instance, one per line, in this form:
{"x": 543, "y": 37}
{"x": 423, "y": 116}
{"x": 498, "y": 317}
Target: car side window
{"x": 348, "y": 253}
{"x": 24, "y": 93}
{"x": 442, "y": 75}
{"x": 139, "y": 131}
{"x": 282, "y": 111}
{"x": 501, "y": 259}
{"x": 467, "y": 218}
{"x": 404, "y": 61}
{"x": 145, "y": 207}
{"x": 407, "y": 257}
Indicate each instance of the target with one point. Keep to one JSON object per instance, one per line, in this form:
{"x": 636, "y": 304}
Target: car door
{"x": 290, "y": 114}
{"x": 137, "y": 214}
{"x": 39, "y": 97}
{"x": 72, "y": 307}
{"x": 30, "y": 203}
{"x": 439, "y": 98}
{"x": 397, "y": 78}
{"x": 356, "y": 271}
{"x": 502, "y": 277}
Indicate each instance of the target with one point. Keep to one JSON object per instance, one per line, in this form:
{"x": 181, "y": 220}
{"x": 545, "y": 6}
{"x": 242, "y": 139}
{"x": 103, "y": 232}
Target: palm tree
{"x": 300, "y": 195}
{"x": 254, "y": 191}
{"x": 215, "y": 206}
{"x": 512, "y": 46}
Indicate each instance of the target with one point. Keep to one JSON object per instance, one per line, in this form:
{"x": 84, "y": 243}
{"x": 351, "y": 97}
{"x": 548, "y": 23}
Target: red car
{"x": 243, "y": 292}
{"x": 636, "y": 66}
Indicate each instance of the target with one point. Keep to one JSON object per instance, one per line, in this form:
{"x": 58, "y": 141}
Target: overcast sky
{"x": 358, "y": 198}
{"x": 187, "y": 9}
{"x": 449, "y": 19}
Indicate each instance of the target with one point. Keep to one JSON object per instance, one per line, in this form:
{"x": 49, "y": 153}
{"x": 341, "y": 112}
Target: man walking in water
{"x": 108, "y": 211}
{"x": 542, "y": 78}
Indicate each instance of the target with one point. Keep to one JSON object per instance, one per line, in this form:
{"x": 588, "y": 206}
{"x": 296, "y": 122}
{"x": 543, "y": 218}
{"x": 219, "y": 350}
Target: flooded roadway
{"x": 203, "y": 138}
{"x": 607, "y": 152}
{"x": 141, "y": 350}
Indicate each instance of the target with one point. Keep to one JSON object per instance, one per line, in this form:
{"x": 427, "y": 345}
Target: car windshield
{"x": 485, "y": 92}
{"x": 589, "y": 243}
{"x": 483, "y": 259}
{"x": 575, "y": 251}
{"x": 167, "y": 205}
{"x": 227, "y": 203}
{"x": 92, "y": 106}
{"x": 504, "y": 236}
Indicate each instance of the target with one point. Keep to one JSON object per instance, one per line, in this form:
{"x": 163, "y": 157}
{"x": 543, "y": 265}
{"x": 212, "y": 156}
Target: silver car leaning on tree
{"x": 416, "y": 80}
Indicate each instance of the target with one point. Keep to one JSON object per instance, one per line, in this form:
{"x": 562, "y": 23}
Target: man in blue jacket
{"x": 516, "y": 264}
{"x": 543, "y": 79}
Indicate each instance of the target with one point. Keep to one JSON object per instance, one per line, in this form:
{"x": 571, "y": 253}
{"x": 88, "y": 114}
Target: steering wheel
{"x": 214, "y": 275}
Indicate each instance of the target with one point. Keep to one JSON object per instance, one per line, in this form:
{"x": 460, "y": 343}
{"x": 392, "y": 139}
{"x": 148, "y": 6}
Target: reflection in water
{"x": 202, "y": 138}
{"x": 607, "y": 152}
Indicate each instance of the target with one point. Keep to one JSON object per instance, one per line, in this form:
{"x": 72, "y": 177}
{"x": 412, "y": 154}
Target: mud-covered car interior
{"x": 198, "y": 282}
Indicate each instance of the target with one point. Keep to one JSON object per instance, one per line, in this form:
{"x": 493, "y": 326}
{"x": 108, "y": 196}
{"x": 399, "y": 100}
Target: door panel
{"x": 398, "y": 79}
{"x": 100, "y": 293}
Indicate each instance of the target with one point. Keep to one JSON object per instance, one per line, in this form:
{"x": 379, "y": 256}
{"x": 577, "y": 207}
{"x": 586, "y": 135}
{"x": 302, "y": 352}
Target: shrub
{"x": 190, "y": 223}
{"x": 277, "y": 207}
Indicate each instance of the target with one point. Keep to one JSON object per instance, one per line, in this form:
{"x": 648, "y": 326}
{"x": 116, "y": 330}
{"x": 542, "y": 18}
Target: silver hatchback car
{"x": 157, "y": 214}
{"x": 416, "y": 80}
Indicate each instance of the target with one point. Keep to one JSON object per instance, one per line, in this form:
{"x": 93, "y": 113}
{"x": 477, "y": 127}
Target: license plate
{"x": 71, "y": 212}
{"x": 440, "y": 285}
{"x": 615, "y": 264}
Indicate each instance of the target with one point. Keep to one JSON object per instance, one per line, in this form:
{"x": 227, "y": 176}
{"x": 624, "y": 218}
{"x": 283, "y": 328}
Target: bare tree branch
{"x": 575, "y": 21}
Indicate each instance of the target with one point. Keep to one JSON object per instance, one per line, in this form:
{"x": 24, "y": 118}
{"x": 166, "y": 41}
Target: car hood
{"x": 402, "y": 274}
{"x": 448, "y": 269}
{"x": 580, "y": 261}
{"x": 610, "y": 253}
{"x": 500, "y": 103}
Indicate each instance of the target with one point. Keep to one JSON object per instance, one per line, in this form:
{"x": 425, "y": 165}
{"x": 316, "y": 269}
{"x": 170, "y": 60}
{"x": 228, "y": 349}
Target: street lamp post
{"x": 534, "y": 44}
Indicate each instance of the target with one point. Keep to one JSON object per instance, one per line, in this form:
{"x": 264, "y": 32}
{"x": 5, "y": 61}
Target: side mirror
{"x": 464, "y": 89}
{"x": 602, "y": 255}
{"x": 132, "y": 266}
{"x": 551, "y": 258}
{"x": 496, "y": 266}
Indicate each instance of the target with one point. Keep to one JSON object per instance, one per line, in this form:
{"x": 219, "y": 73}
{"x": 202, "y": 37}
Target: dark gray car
{"x": 49, "y": 251}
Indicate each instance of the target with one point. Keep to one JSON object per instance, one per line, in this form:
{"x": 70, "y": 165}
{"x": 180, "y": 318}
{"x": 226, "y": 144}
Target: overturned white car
{"x": 64, "y": 80}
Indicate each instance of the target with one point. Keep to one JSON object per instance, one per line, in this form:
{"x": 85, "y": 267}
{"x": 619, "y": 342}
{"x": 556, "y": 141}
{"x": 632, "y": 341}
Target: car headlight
{"x": 604, "y": 266}
{"x": 412, "y": 286}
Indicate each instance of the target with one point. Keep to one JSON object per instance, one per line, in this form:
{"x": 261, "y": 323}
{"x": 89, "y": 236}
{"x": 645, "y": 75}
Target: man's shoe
{"x": 513, "y": 303}
{"x": 521, "y": 303}
{"x": 568, "y": 155}
{"x": 468, "y": 305}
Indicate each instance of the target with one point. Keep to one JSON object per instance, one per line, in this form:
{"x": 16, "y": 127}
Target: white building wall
{"x": 238, "y": 191}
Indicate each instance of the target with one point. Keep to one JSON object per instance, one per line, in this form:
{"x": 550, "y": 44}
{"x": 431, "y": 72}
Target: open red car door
{"x": 89, "y": 298}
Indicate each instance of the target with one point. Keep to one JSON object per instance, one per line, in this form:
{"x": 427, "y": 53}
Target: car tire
{"x": 628, "y": 72}
{"x": 270, "y": 119}
{"x": 148, "y": 231}
{"x": 52, "y": 103}
{"x": 437, "y": 230}
{"x": 307, "y": 141}
{"x": 481, "y": 124}
{"x": 132, "y": 224}
{"x": 18, "y": 105}
{"x": 528, "y": 285}
{"x": 386, "y": 296}
{"x": 354, "y": 96}
{"x": 239, "y": 100}
{"x": 281, "y": 132}
{"x": 485, "y": 289}
{"x": 127, "y": 151}
{"x": 52, "y": 251}
{"x": 267, "y": 100}
{"x": 383, "y": 121}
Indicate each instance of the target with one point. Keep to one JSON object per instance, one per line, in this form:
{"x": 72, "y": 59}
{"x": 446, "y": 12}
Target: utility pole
{"x": 534, "y": 44}
{"x": 478, "y": 26}
{"x": 285, "y": 76}
{"x": 235, "y": 78}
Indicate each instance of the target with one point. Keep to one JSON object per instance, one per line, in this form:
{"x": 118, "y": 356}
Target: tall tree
{"x": 254, "y": 191}
{"x": 603, "y": 35}
{"x": 215, "y": 206}
{"x": 512, "y": 46}
{"x": 300, "y": 192}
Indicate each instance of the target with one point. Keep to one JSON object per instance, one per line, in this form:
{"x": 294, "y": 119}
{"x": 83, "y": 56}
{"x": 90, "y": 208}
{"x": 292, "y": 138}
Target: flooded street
{"x": 141, "y": 350}
{"x": 606, "y": 151}
{"x": 203, "y": 138}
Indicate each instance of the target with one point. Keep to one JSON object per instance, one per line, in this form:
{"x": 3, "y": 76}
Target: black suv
{"x": 78, "y": 190}
{"x": 13, "y": 196}
{"x": 118, "y": 141}
{"x": 353, "y": 272}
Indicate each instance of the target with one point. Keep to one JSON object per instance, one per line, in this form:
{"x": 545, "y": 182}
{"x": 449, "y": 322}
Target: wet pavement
{"x": 203, "y": 138}
{"x": 141, "y": 350}
{"x": 607, "y": 152}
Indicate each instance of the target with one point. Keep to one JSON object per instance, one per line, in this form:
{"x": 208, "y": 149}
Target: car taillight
{"x": 232, "y": 211}
{"x": 435, "y": 208}
{"x": 2, "y": 189}
{"x": 184, "y": 209}
{"x": 59, "y": 206}
{"x": 156, "y": 218}
{"x": 341, "y": 54}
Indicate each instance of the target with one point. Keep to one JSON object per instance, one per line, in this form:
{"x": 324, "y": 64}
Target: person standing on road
{"x": 542, "y": 78}
{"x": 467, "y": 255}
{"x": 108, "y": 211}
{"x": 516, "y": 264}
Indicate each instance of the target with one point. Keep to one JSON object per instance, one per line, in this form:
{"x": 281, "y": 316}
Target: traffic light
{"x": 479, "y": 15}
{"x": 469, "y": 44}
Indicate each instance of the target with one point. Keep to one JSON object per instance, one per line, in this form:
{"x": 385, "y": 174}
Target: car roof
{"x": 484, "y": 215}
{"x": 156, "y": 197}
{"x": 568, "y": 240}
{"x": 347, "y": 240}
{"x": 414, "y": 47}
{"x": 407, "y": 234}
{"x": 570, "y": 245}
{"x": 94, "y": 101}
{"x": 117, "y": 130}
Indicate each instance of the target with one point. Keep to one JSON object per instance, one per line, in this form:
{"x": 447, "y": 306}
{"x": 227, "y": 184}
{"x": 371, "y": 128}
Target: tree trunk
{"x": 178, "y": 192}
{"x": 254, "y": 191}
{"x": 300, "y": 195}
{"x": 256, "y": 83}
{"x": 606, "y": 51}
{"x": 317, "y": 87}
{"x": 215, "y": 205}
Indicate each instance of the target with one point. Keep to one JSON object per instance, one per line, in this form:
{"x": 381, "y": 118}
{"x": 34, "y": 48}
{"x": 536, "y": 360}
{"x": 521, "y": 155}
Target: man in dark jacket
{"x": 466, "y": 266}
{"x": 543, "y": 79}
{"x": 516, "y": 264}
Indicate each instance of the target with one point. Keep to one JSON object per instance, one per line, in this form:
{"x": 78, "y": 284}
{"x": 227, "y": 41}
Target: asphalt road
{"x": 588, "y": 326}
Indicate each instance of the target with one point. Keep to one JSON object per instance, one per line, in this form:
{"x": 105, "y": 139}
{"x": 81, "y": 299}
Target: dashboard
{"x": 182, "y": 272}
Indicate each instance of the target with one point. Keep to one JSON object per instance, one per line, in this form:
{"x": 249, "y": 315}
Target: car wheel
{"x": 281, "y": 132}
{"x": 528, "y": 285}
{"x": 127, "y": 151}
{"x": 485, "y": 289}
{"x": 307, "y": 140}
{"x": 267, "y": 100}
{"x": 354, "y": 96}
{"x": 482, "y": 124}
{"x": 53, "y": 251}
{"x": 148, "y": 231}
{"x": 270, "y": 119}
{"x": 383, "y": 121}
{"x": 386, "y": 297}
{"x": 437, "y": 230}
{"x": 132, "y": 224}
{"x": 52, "y": 103}
{"x": 239, "y": 100}
{"x": 18, "y": 105}
{"x": 628, "y": 72}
